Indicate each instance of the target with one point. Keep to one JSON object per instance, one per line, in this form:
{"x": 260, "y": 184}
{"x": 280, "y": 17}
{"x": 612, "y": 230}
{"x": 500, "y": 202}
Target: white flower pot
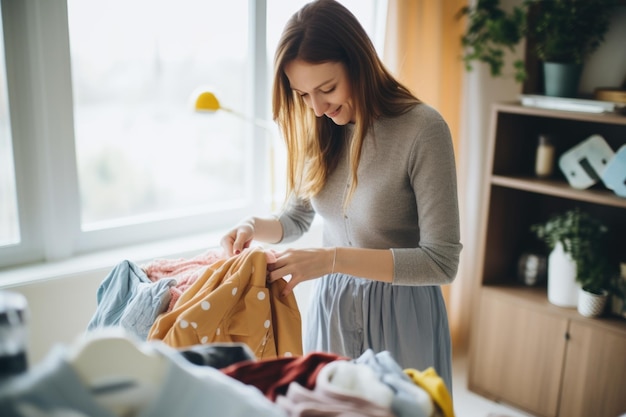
{"x": 590, "y": 304}
{"x": 562, "y": 285}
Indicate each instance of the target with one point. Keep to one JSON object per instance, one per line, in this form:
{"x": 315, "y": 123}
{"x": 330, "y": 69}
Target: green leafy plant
{"x": 491, "y": 31}
{"x": 569, "y": 30}
{"x": 564, "y": 31}
{"x": 583, "y": 237}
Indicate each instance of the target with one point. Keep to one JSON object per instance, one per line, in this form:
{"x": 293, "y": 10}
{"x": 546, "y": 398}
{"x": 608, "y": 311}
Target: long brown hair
{"x": 325, "y": 31}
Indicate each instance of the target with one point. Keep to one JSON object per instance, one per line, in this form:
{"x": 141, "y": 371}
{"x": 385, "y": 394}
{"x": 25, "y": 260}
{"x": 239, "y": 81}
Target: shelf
{"x": 559, "y": 189}
{"x": 537, "y": 299}
{"x": 514, "y": 320}
{"x": 517, "y": 108}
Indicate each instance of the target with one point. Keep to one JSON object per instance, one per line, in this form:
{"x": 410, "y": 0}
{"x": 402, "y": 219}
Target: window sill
{"x": 104, "y": 261}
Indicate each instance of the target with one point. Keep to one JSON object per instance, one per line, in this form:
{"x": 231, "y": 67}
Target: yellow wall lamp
{"x": 206, "y": 101}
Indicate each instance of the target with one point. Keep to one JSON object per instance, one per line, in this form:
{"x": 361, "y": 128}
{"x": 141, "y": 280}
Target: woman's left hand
{"x": 301, "y": 264}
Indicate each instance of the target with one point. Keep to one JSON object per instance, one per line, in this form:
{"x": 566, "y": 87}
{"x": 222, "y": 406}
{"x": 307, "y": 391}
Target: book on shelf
{"x": 572, "y": 104}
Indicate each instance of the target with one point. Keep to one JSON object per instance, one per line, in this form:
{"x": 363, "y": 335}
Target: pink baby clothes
{"x": 185, "y": 271}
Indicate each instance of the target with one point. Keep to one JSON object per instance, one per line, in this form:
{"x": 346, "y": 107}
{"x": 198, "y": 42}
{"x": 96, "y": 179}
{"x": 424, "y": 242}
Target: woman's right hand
{"x": 238, "y": 239}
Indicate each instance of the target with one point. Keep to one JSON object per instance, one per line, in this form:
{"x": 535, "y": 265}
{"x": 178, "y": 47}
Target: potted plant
{"x": 558, "y": 31}
{"x": 577, "y": 260}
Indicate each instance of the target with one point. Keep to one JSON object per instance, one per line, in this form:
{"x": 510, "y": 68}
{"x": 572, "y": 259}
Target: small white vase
{"x": 562, "y": 285}
{"x": 590, "y": 304}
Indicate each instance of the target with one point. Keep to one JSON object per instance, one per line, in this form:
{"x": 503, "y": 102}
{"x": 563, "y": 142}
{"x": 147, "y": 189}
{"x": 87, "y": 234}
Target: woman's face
{"x": 325, "y": 88}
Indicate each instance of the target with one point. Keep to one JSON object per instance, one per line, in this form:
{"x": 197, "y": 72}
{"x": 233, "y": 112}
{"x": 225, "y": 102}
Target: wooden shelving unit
{"x": 541, "y": 358}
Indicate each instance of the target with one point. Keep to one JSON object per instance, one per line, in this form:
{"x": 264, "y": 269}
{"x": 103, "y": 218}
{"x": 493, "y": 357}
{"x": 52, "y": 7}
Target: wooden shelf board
{"x": 559, "y": 189}
{"x": 517, "y": 108}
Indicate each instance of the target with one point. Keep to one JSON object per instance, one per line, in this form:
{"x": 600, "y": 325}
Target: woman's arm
{"x": 306, "y": 264}
{"x": 375, "y": 264}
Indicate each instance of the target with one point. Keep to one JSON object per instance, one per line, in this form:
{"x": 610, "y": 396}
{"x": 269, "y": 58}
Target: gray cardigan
{"x": 406, "y": 199}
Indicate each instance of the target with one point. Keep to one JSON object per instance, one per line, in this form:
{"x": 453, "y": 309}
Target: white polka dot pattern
{"x": 250, "y": 299}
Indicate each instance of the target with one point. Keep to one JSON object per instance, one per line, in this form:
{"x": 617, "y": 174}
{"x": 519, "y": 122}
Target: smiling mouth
{"x": 335, "y": 113}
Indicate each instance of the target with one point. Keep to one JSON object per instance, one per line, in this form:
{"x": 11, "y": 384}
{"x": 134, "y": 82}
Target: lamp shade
{"x": 206, "y": 101}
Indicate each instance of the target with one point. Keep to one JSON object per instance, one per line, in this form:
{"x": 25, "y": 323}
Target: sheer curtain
{"x": 422, "y": 48}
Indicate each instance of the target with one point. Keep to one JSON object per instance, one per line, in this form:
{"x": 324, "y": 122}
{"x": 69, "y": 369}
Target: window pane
{"x": 142, "y": 152}
{"x": 9, "y": 225}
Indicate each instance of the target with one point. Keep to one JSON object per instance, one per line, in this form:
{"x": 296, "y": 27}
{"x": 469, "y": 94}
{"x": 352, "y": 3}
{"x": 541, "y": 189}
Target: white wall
{"x": 607, "y": 66}
{"x": 59, "y": 309}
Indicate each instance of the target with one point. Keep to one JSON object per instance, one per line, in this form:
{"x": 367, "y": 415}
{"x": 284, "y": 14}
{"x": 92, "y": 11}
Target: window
{"x": 108, "y": 150}
{"x": 141, "y": 151}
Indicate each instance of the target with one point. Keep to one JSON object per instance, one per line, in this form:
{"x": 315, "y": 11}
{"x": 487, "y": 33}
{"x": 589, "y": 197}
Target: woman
{"x": 378, "y": 166}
